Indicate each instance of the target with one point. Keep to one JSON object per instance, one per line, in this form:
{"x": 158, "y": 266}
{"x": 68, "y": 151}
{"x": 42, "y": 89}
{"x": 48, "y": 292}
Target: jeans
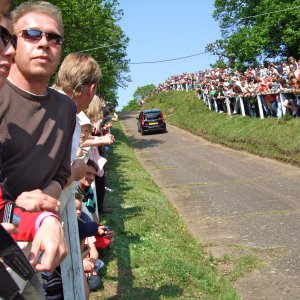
{"x": 277, "y": 108}
{"x": 247, "y": 105}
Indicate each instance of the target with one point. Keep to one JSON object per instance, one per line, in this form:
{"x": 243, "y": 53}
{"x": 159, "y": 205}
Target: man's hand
{"x": 88, "y": 265}
{"x": 37, "y": 201}
{"x": 48, "y": 239}
{"x": 79, "y": 168}
{"x": 108, "y": 233}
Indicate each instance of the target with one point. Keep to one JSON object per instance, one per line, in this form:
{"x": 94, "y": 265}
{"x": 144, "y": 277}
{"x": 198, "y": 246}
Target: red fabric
{"x": 26, "y": 227}
{"x": 2, "y": 204}
{"x": 101, "y": 242}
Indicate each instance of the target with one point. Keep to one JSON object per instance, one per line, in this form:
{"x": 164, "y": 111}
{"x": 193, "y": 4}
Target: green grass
{"x": 278, "y": 139}
{"x": 153, "y": 256}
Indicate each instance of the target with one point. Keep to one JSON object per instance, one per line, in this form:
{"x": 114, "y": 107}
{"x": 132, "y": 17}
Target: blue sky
{"x": 165, "y": 29}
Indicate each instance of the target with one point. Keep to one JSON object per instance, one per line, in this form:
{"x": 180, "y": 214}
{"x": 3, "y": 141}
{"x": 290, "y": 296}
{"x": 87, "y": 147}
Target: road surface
{"x": 232, "y": 202}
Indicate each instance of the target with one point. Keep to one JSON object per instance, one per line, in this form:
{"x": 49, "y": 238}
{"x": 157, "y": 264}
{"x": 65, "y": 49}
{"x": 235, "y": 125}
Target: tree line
{"x": 254, "y": 31}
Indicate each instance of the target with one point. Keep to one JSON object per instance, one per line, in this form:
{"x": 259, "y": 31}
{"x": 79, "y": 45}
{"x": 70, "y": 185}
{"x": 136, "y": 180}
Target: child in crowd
{"x": 90, "y": 256}
{"x": 89, "y": 147}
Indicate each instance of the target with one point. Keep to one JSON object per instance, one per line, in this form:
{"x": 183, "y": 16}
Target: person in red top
{"x": 261, "y": 91}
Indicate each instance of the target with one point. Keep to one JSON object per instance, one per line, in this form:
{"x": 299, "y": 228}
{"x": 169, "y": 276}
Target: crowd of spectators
{"x": 276, "y": 84}
{"x": 50, "y": 139}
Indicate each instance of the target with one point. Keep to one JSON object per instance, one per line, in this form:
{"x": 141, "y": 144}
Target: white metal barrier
{"x": 211, "y": 101}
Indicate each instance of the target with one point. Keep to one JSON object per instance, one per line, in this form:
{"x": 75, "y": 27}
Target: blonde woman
{"x": 95, "y": 113}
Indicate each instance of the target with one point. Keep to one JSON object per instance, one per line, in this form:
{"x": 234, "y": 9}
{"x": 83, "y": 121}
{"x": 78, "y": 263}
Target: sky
{"x": 163, "y": 30}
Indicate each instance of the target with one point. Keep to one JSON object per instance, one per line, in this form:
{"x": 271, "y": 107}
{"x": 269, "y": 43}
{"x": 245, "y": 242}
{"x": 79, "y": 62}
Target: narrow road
{"x": 232, "y": 202}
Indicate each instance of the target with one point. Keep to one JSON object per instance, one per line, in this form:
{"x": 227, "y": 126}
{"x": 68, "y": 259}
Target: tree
{"x": 91, "y": 26}
{"x": 131, "y": 106}
{"x": 143, "y": 91}
{"x": 256, "y": 30}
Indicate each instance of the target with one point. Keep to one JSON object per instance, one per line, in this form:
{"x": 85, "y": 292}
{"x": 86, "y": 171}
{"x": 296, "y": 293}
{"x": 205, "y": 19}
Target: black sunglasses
{"x": 6, "y": 37}
{"x": 36, "y": 35}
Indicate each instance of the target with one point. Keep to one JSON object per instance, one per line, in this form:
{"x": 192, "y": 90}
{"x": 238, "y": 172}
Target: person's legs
{"x": 264, "y": 105}
{"x": 236, "y": 105}
{"x": 100, "y": 191}
{"x": 279, "y": 108}
{"x": 248, "y": 108}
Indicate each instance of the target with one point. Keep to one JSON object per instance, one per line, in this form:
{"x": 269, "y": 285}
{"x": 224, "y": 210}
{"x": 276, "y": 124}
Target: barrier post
{"x": 209, "y": 103}
{"x": 71, "y": 268}
{"x": 261, "y": 112}
{"x": 215, "y": 104}
{"x": 228, "y": 107}
{"x": 282, "y": 107}
{"x": 242, "y": 106}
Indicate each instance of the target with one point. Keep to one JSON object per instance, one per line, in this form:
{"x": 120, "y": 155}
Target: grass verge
{"x": 153, "y": 256}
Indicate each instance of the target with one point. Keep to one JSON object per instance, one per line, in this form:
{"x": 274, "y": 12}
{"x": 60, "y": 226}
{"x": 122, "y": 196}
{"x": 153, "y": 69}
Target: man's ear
{"x": 91, "y": 89}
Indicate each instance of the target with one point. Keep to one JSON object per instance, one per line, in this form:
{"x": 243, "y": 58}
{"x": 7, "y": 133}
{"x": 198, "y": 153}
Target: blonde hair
{"x": 76, "y": 72}
{"x": 42, "y": 7}
{"x": 94, "y": 111}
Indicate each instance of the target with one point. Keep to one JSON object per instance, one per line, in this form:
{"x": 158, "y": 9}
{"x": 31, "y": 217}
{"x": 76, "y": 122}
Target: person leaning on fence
{"x": 95, "y": 113}
{"x": 37, "y": 139}
{"x": 84, "y": 189}
{"x": 35, "y": 200}
{"x": 288, "y": 97}
{"x": 88, "y": 231}
{"x": 78, "y": 77}
{"x": 32, "y": 226}
{"x": 89, "y": 144}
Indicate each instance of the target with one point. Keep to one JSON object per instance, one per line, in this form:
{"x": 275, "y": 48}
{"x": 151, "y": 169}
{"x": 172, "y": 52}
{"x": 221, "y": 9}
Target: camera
{"x": 105, "y": 120}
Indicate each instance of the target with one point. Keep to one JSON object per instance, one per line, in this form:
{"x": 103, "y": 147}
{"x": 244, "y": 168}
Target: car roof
{"x": 151, "y": 110}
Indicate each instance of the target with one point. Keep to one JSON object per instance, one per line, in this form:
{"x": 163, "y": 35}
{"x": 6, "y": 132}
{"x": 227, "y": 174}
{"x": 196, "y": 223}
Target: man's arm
{"x": 107, "y": 139}
{"x": 78, "y": 170}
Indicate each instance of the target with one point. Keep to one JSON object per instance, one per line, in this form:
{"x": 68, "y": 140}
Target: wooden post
{"x": 71, "y": 268}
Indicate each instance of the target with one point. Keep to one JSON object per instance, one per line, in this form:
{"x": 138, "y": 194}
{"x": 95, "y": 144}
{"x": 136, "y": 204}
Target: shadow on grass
{"x": 146, "y": 293}
{"x": 124, "y": 276}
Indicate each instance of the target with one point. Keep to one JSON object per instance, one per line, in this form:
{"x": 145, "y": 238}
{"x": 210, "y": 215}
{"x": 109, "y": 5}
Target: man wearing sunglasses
{"x": 36, "y": 123}
{"x": 39, "y": 122}
{"x": 49, "y": 237}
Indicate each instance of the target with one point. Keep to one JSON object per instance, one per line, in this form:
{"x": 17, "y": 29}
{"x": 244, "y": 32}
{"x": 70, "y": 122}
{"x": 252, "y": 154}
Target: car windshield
{"x": 152, "y": 115}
